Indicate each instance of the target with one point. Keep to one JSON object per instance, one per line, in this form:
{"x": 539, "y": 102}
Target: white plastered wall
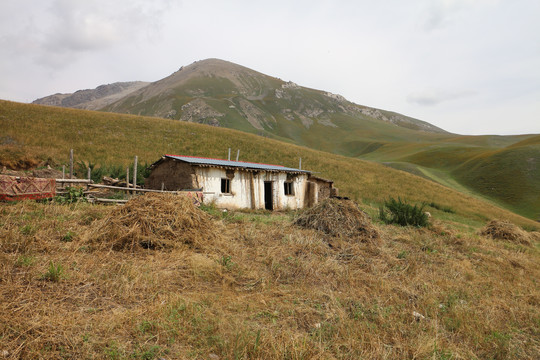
{"x": 241, "y": 192}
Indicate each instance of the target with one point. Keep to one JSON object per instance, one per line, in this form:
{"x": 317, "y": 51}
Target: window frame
{"x": 226, "y": 184}
{"x": 288, "y": 188}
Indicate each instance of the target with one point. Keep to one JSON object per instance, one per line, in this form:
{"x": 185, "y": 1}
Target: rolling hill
{"x": 36, "y": 134}
{"x": 502, "y": 169}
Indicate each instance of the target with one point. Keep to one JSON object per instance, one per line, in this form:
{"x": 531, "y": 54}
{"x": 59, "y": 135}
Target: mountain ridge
{"x": 92, "y": 99}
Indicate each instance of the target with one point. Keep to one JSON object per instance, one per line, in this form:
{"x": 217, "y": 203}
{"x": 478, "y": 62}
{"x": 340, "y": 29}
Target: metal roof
{"x": 234, "y": 164}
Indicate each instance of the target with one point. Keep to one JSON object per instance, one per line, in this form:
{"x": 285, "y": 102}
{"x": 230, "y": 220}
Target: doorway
{"x": 268, "y": 204}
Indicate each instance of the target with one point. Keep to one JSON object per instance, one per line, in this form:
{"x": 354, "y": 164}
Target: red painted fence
{"x": 17, "y": 188}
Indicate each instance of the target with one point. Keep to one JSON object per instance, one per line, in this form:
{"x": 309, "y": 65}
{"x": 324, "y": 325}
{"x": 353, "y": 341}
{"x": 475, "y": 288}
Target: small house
{"x": 238, "y": 184}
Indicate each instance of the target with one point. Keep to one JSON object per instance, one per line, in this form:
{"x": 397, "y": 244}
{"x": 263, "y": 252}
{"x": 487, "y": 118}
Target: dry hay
{"x": 153, "y": 221}
{"x": 339, "y": 218}
{"x": 505, "y": 230}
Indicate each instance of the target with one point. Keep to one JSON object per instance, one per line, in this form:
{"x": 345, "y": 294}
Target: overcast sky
{"x": 468, "y": 66}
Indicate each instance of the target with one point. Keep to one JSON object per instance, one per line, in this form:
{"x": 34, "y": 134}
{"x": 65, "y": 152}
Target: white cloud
{"x": 434, "y": 97}
{"x": 443, "y": 61}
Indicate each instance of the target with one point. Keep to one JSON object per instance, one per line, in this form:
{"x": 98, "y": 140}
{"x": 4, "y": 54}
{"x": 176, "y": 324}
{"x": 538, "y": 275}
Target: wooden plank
{"x": 99, "y": 186}
{"x": 116, "y": 201}
{"x": 74, "y": 181}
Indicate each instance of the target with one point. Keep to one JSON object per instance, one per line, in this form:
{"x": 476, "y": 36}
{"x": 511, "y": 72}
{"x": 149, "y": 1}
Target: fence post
{"x": 135, "y": 174}
{"x": 71, "y": 164}
{"x": 127, "y": 177}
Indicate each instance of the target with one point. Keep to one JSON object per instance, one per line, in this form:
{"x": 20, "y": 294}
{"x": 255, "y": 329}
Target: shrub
{"x": 72, "y": 195}
{"x": 399, "y": 212}
{"x": 446, "y": 209}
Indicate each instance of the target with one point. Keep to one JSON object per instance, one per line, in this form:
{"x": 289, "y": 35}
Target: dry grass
{"x": 505, "y": 230}
{"x": 262, "y": 290}
{"x": 153, "y": 221}
{"x": 339, "y": 218}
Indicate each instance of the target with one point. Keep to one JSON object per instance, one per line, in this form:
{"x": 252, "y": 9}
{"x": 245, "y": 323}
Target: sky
{"x": 468, "y": 66}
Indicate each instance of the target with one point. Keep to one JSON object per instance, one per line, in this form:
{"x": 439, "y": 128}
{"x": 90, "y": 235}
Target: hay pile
{"x": 339, "y": 218}
{"x": 505, "y": 230}
{"x": 153, "y": 221}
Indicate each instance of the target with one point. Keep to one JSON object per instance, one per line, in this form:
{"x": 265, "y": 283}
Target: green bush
{"x": 446, "y": 209}
{"x": 401, "y": 213}
{"x": 72, "y": 195}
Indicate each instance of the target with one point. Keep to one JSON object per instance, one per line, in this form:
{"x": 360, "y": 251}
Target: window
{"x": 226, "y": 186}
{"x": 289, "y": 188}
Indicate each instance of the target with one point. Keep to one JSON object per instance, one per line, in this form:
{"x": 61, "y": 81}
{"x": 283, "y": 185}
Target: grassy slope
{"x": 502, "y": 169}
{"x": 48, "y": 133}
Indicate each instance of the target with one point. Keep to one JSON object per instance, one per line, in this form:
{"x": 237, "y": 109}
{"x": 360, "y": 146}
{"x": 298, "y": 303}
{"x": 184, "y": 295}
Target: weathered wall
{"x": 324, "y": 188}
{"x": 175, "y": 175}
{"x": 247, "y": 189}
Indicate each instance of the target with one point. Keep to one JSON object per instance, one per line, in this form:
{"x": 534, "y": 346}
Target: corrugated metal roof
{"x": 236, "y": 164}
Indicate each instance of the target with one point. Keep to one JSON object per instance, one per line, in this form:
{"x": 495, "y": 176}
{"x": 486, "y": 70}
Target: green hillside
{"x": 508, "y": 175}
{"x": 32, "y": 134}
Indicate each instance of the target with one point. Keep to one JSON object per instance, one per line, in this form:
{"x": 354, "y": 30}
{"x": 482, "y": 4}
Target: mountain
{"x": 221, "y": 93}
{"x": 502, "y": 169}
{"x": 92, "y": 99}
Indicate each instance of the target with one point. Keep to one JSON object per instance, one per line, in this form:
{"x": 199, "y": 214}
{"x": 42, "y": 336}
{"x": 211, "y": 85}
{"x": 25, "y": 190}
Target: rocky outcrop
{"x": 255, "y": 116}
{"x": 200, "y": 112}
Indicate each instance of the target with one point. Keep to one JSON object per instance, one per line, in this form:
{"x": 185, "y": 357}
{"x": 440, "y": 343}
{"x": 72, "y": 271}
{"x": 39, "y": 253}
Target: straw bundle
{"x": 153, "y": 221}
{"x": 339, "y": 218}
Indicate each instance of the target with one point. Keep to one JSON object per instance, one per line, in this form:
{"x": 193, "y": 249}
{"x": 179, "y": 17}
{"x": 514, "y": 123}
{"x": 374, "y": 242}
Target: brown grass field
{"x": 251, "y": 285}
{"x": 160, "y": 279}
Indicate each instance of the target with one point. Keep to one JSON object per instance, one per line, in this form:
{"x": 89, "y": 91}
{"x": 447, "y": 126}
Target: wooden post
{"x": 135, "y": 173}
{"x": 229, "y": 157}
{"x": 127, "y": 177}
{"x": 300, "y": 164}
{"x": 237, "y": 154}
{"x": 89, "y": 173}
{"x": 71, "y": 164}
{"x": 63, "y": 172}
{"x": 162, "y": 186}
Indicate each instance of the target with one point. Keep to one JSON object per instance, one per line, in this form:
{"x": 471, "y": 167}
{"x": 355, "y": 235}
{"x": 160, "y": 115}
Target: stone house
{"x": 239, "y": 184}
